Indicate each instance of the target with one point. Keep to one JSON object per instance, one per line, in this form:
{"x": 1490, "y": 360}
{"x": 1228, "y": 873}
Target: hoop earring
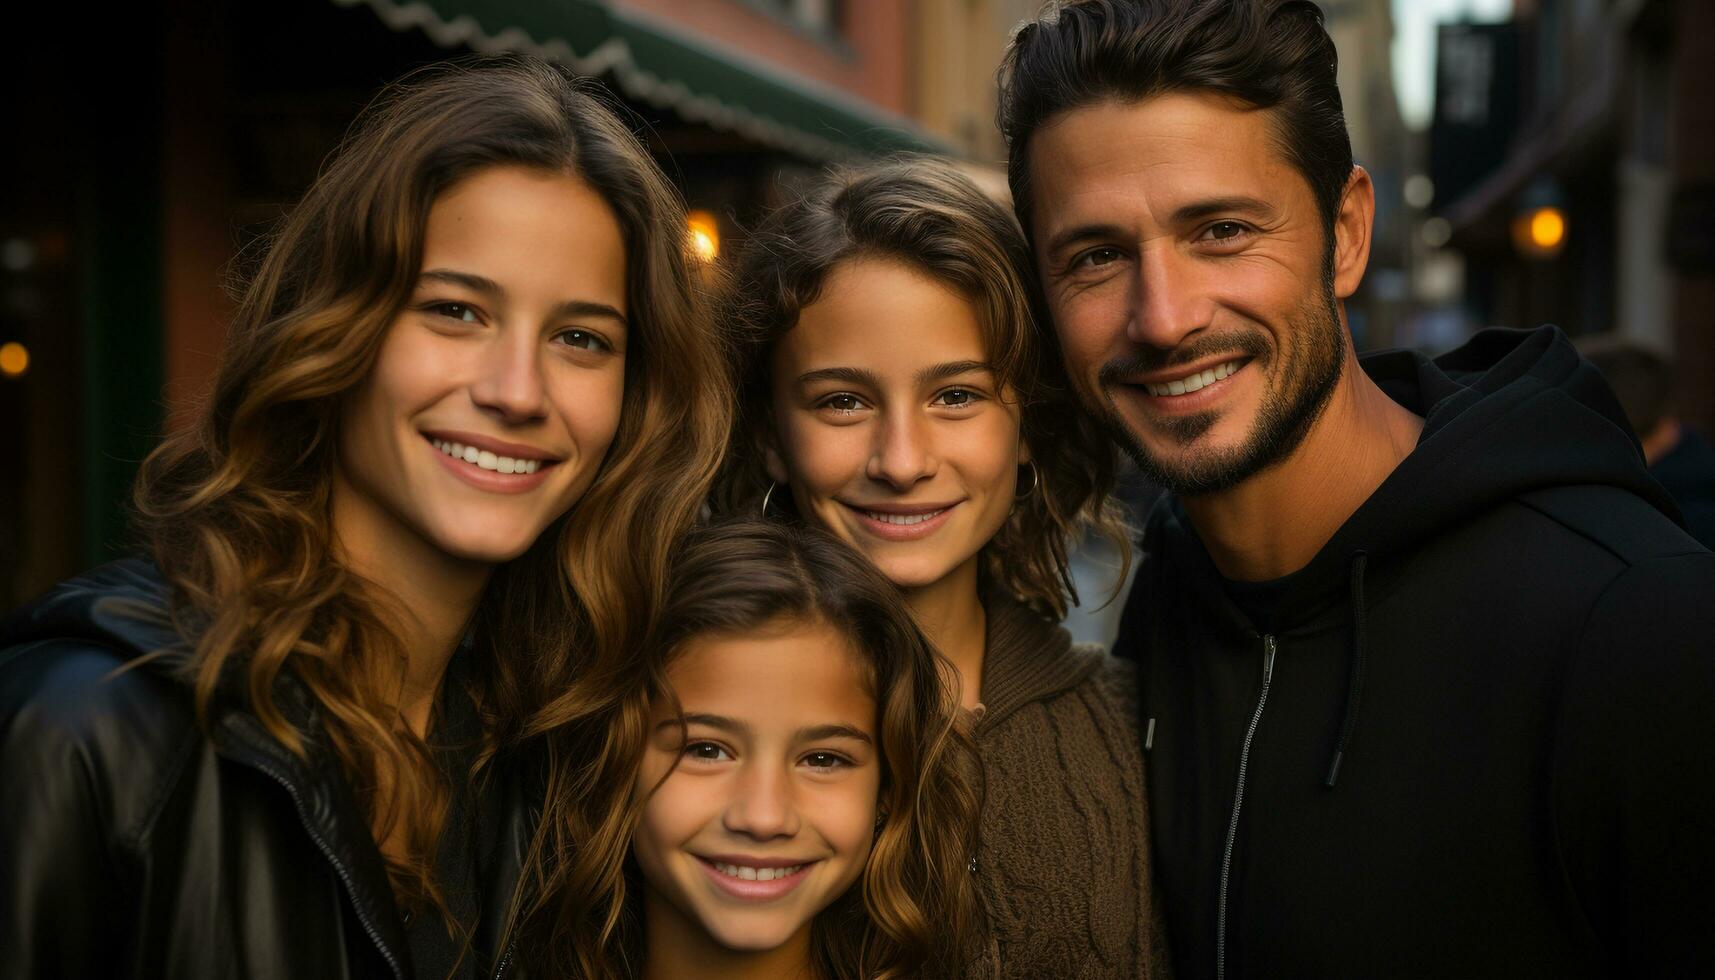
{"x": 1035, "y": 482}
{"x": 765, "y": 498}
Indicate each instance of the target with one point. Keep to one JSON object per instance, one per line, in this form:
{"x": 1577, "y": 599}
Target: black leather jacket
{"x": 136, "y": 843}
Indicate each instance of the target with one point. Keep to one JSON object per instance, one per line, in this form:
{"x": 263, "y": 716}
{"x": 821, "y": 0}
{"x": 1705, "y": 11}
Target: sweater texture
{"x": 1063, "y": 850}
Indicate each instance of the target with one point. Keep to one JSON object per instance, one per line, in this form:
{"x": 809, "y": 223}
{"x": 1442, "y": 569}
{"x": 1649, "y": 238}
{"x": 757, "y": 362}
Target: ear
{"x": 1352, "y": 226}
{"x": 772, "y": 462}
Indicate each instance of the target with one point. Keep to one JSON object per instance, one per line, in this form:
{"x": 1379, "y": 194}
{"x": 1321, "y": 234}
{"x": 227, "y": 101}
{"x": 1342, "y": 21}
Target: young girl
{"x": 469, "y": 401}
{"x": 781, "y": 789}
{"x": 897, "y": 390}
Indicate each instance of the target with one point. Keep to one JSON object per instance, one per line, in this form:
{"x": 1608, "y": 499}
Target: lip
{"x": 754, "y": 891}
{"x": 1177, "y": 371}
{"x": 499, "y": 447}
{"x": 900, "y": 532}
{"x": 1201, "y": 400}
{"x": 491, "y": 481}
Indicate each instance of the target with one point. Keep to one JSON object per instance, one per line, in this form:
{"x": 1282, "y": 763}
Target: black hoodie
{"x": 1477, "y": 741}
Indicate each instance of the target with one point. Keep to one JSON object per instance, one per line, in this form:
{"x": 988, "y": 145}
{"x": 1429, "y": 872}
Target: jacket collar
{"x": 1028, "y": 659}
{"x": 325, "y": 805}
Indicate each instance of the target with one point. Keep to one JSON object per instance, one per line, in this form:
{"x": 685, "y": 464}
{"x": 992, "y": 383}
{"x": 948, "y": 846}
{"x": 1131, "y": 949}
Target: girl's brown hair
{"x": 236, "y": 507}
{"x": 923, "y": 212}
{"x": 913, "y": 912}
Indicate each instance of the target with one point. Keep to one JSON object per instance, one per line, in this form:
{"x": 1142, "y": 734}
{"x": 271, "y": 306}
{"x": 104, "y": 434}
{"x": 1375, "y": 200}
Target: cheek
{"x": 846, "y": 818}
{"x": 672, "y": 814}
{"x": 589, "y": 405}
{"x": 1090, "y": 327}
{"x": 822, "y": 459}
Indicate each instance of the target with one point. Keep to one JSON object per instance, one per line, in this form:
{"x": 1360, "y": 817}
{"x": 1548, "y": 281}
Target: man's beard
{"x": 1313, "y": 363}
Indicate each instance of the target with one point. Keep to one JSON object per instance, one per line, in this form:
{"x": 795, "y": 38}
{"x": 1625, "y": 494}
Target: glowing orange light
{"x": 1541, "y": 232}
{"x": 1547, "y": 228}
{"x": 705, "y": 235}
{"x": 14, "y": 359}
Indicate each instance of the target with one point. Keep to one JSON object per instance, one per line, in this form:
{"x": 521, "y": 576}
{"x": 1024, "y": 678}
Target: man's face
{"x": 1190, "y": 281}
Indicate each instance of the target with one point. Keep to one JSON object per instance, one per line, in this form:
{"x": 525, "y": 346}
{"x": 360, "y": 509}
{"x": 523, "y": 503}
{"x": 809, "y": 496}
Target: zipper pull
{"x": 1149, "y": 736}
{"x": 1267, "y": 659}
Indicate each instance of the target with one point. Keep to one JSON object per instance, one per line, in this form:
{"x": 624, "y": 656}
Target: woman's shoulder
{"x": 74, "y": 698}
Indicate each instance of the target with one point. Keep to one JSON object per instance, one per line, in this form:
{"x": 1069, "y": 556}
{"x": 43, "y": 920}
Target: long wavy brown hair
{"x": 236, "y": 508}
{"x": 922, "y": 211}
{"x": 914, "y": 910}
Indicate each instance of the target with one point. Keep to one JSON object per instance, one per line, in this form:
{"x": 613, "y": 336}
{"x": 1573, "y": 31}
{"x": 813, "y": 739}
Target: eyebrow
{"x": 494, "y": 290}
{"x": 1185, "y": 214}
{"x": 814, "y": 733}
{"x": 861, "y": 376}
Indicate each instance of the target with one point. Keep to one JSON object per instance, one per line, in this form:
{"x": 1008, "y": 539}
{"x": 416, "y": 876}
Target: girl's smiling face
{"x": 763, "y": 815}
{"x": 889, "y": 427}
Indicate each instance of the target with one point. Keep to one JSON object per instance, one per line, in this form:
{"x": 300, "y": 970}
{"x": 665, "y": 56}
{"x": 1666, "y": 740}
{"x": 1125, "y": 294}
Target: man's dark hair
{"x": 1266, "y": 54}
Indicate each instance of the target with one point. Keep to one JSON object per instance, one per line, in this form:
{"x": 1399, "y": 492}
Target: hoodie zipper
{"x": 1238, "y": 801}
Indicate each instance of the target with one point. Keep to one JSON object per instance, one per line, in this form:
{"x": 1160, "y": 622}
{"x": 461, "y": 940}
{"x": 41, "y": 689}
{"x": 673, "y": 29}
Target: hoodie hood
{"x": 1510, "y": 412}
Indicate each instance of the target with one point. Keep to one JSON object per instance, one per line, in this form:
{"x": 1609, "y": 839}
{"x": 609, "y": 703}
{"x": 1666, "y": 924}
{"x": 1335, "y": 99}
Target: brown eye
{"x": 843, "y": 403}
{"x": 454, "y": 311}
{"x": 825, "y": 760}
{"x": 582, "y": 340}
{"x": 706, "y": 752}
{"x": 1224, "y": 230}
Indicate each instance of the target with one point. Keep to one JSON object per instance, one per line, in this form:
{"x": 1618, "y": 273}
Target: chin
{"x": 757, "y": 937}
{"x": 486, "y": 548}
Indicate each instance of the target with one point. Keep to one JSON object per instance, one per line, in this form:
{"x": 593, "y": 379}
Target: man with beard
{"x": 1425, "y": 659}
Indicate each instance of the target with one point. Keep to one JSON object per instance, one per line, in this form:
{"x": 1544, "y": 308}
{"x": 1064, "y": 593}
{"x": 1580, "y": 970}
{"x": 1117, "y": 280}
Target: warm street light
{"x": 1540, "y": 233}
{"x": 705, "y": 235}
{"x": 14, "y": 359}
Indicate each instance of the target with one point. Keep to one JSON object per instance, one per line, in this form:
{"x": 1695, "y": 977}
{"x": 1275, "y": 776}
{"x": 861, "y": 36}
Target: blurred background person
{"x": 1678, "y": 455}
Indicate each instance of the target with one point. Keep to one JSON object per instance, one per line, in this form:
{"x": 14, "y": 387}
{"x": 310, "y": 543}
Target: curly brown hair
{"x": 913, "y": 913}
{"x": 236, "y": 508}
{"x": 924, "y": 212}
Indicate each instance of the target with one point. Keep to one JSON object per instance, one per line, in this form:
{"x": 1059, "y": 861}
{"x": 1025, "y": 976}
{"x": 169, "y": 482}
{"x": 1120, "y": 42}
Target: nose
{"x": 902, "y": 455}
{"x": 762, "y": 805}
{"x": 509, "y": 383}
{"x": 1172, "y": 301}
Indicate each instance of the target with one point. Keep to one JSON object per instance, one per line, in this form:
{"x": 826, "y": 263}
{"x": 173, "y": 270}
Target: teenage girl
{"x": 899, "y": 389}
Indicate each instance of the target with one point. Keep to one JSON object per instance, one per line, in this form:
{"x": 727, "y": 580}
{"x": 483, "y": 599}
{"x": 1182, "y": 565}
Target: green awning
{"x": 701, "y": 82}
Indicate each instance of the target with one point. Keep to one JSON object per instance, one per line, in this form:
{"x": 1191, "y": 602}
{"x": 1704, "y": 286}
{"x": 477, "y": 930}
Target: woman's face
{"x": 889, "y": 428}
{"x": 496, "y": 392}
{"x": 766, "y": 813}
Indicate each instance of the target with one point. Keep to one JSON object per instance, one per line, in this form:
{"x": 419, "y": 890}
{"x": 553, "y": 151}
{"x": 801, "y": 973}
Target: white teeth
{"x": 755, "y": 874}
{"x": 1194, "y": 382}
{"x": 903, "y": 519}
{"x": 487, "y": 460}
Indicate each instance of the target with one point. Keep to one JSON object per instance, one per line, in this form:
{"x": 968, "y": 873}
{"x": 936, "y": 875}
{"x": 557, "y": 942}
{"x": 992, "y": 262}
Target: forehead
{"x": 1154, "y": 155}
{"x": 883, "y": 314}
{"x": 788, "y": 674}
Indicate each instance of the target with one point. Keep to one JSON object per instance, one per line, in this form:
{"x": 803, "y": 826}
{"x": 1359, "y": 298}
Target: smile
{"x": 744, "y": 873}
{"x": 1195, "y": 381}
{"x": 903, "y": 520}
{"x": 901, "y": 523}
{"x": 761, "y": 881}
{"x": 486, "y": 459}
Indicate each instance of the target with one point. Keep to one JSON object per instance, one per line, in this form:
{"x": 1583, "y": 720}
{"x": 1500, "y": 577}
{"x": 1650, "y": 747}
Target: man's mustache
{"x": 1148, "y": 359}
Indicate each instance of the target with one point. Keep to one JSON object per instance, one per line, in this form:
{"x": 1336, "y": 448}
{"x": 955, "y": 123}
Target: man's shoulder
{"x": 1614, "y": 519}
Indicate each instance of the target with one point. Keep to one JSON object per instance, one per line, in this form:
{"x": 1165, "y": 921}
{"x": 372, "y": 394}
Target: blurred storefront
{"x": 154, "y": 142}
{"x": 1573, "y": 159}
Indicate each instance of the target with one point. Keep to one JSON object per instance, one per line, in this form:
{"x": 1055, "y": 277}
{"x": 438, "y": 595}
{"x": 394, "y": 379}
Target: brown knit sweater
{"x": 1063, "y": 849}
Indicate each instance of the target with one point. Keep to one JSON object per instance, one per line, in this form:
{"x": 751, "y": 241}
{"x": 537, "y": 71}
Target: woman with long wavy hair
{"x": 469, "y": 401}
{"x": 782, "y": 785}
{"x": 897, "y": 388}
